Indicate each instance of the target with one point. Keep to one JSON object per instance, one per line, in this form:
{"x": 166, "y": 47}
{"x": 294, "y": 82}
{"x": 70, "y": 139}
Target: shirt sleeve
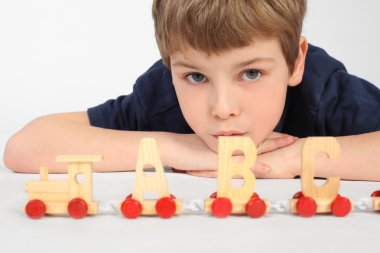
{"x": 152, "y": 106}
{"x": 349, "y": 105}
{"x": 122, "y": 113}
{"x": 128, "y": 112}
{"x": 329, "y": 101}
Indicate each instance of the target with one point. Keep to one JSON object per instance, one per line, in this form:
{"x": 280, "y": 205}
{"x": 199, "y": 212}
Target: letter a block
{"x": 241, "y": 200}
{"x": 319, "y": 199}
{"x": 135, "y": 204}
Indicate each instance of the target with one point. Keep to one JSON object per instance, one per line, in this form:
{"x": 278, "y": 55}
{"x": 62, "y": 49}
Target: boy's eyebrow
{"x": 254, "y": 60}
{"x": 184, "y": 64}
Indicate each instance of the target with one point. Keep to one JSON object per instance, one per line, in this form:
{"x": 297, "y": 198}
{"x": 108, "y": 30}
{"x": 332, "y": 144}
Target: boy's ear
{"x": 299, "y": 64}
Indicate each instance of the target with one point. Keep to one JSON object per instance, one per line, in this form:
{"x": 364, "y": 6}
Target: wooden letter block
{"x": 135, "y": 205}
{"x": 319, "y": 199}
{"x": 241, "y": 200}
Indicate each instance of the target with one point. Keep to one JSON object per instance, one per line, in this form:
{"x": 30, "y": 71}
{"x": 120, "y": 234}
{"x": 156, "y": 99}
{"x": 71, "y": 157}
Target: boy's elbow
{"x": 27, "y": 149}
{"x": 9, "y": 156}
{"x": 14, "y": 157}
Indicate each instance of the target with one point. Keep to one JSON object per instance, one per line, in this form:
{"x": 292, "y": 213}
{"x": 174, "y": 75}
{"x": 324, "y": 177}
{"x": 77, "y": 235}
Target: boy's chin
{"x": 212, "y": 145}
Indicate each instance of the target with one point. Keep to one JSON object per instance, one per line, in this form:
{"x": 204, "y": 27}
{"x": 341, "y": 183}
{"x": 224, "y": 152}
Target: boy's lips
{"x": 227, "y": 133}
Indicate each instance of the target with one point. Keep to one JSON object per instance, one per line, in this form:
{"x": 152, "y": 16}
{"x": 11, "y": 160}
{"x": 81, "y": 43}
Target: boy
{"x": 229, "y": 68}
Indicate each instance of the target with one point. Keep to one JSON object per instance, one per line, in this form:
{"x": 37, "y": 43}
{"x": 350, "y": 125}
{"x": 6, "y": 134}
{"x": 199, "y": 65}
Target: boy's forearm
{"x": 42, "y": 140}
{"x": 359, "y": 159}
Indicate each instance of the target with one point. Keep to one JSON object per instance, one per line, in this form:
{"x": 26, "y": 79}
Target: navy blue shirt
{"x": 328, "y": 102}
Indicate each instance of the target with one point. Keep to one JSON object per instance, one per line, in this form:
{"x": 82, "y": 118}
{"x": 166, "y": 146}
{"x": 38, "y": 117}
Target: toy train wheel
{"x": 306, "y": 206}
{"x": 35, "y": 209}
{"x": 255, "y": 207}
{"x": 131, "y": 208}
{"x": 221, "y": 207}
{"x": 375, "y": 193}
{"x": 77, "y": 208}
{"x": 166, "y": 207}
{"x": 341, "y": 206}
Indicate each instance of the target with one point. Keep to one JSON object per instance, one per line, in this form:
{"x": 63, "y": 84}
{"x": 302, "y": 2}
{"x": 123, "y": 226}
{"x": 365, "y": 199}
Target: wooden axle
{"x": 238, "y": 207}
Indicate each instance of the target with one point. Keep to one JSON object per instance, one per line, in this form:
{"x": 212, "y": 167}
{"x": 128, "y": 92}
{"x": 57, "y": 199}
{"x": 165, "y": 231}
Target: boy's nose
{"x": 224, "y": 105}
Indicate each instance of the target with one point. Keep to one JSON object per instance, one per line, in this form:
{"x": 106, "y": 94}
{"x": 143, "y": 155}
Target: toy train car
{"x": 64, "y": 196}
{"x": 242, "y": 200}
{"x": 319, "y": 199}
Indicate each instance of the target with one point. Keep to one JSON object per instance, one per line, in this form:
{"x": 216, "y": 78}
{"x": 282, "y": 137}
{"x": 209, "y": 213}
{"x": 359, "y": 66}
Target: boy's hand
{"x": 189, "y": 151}
{"x": 284, "y": 162}
{"x": 273, "y": 142}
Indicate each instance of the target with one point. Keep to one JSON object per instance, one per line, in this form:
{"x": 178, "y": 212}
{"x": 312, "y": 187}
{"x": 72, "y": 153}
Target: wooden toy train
{"x": 74, "y": 198}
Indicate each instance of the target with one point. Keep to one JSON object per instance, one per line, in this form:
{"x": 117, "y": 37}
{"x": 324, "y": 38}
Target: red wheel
{"x": 375, "y": 193}
{"x": 221, "y": 207}
{"x": 341, "y": 206}
{"x": 77, "y": 208}
{"x": 255, "y": 207}
{"x": 166, "y": 207}
{"x": 298, "y": 195}
{"x": 213, "y": 196}
{"x": 35, "y": 209}
{"x": 131, "y": 208}
{"x": 306, "y": 207}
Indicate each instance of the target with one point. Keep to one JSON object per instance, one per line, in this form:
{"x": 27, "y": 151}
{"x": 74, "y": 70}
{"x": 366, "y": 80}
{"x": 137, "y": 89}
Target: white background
{"x": 58, "y": 56}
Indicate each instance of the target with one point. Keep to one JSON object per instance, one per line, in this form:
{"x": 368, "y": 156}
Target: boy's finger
{"x": 275, "y": 143}
{"x": 276, "y": 135}
{"x": 202, "y": 173}
{"x": 178, "y": 171}
{"x": 260, "y": 170}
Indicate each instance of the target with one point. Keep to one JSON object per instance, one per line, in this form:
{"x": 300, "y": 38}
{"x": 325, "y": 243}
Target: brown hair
{"x": 216, "y": 25}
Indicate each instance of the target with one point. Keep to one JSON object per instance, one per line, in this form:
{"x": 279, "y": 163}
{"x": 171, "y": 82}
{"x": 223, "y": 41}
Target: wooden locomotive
{"x": 70, "y": 196}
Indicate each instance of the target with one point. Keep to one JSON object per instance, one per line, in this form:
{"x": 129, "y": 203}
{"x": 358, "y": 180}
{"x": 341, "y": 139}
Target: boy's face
{"x": 237, "y": 92}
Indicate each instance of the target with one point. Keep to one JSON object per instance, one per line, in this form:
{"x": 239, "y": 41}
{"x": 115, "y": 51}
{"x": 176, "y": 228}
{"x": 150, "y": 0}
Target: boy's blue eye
{"x": 251, "y": 74}
{"x": 195, "y": 77}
